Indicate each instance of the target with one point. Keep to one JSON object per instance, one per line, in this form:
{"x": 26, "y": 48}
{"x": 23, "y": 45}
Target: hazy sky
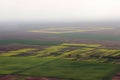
{"x": 59, "y": 10}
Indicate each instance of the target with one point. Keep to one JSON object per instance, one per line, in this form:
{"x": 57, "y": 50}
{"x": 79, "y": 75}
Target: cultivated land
{"x": 67, "y": 53}
{"x": 65, "y": 61}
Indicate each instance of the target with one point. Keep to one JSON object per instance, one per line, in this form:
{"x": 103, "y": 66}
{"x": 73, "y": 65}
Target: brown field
{"x": 16, "y": 77}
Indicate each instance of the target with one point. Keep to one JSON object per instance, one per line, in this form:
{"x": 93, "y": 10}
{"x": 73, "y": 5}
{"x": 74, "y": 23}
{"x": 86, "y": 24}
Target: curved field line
{"x": 16, "y": 52}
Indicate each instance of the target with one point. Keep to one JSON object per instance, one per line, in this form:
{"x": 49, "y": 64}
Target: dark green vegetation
{"x": 30, "y": 42}
{"x": 89, "y": 36}
{"x": 68, "y": 61}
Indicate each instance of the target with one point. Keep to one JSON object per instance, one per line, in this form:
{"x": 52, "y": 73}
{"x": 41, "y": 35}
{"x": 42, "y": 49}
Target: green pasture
{"x": 58, "y": 68}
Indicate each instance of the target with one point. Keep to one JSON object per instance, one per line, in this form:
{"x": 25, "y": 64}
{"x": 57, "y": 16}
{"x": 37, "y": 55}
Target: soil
{"x": 38, "y": 78}
{"x": 14, "y": 77}
{"x": 8, "y": 77}
{"x": 116, "y": 77}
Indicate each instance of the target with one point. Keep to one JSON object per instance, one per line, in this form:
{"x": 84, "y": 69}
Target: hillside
{"x": 66, "y": 61}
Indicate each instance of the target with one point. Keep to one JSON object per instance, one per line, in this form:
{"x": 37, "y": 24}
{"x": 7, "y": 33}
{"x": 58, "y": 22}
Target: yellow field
{"x": 55, "y": 30}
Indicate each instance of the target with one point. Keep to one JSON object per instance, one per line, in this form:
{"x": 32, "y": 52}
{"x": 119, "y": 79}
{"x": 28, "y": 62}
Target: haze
{"x": 59, "y": 10}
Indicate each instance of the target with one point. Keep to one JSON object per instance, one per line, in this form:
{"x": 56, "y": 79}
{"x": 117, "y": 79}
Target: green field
{"x": 29, "y": 42}
{"x": 87, "y": 36}
{"x": 66, "y": 61}
{"x": 59, "y": 68}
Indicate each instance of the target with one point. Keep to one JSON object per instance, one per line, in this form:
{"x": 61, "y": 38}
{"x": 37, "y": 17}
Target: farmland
{"x": 58, "y": 68}
{"x": 82, "y": 52}
{"x": 55, "y": 30}
{"x": 60, "y": 53}
{"x": 66, "y": 61}
{"x": 29, "y": 42}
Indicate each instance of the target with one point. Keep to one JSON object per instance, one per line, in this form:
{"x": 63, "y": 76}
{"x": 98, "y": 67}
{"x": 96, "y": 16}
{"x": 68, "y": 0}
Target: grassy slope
{"x": 53, "y": 67}
{"x": 59, "y": 67}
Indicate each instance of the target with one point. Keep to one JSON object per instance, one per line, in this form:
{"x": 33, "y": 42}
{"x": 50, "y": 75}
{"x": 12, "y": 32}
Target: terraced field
{"x": 82, "y": 52}
{"x": 66, "y": 61}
